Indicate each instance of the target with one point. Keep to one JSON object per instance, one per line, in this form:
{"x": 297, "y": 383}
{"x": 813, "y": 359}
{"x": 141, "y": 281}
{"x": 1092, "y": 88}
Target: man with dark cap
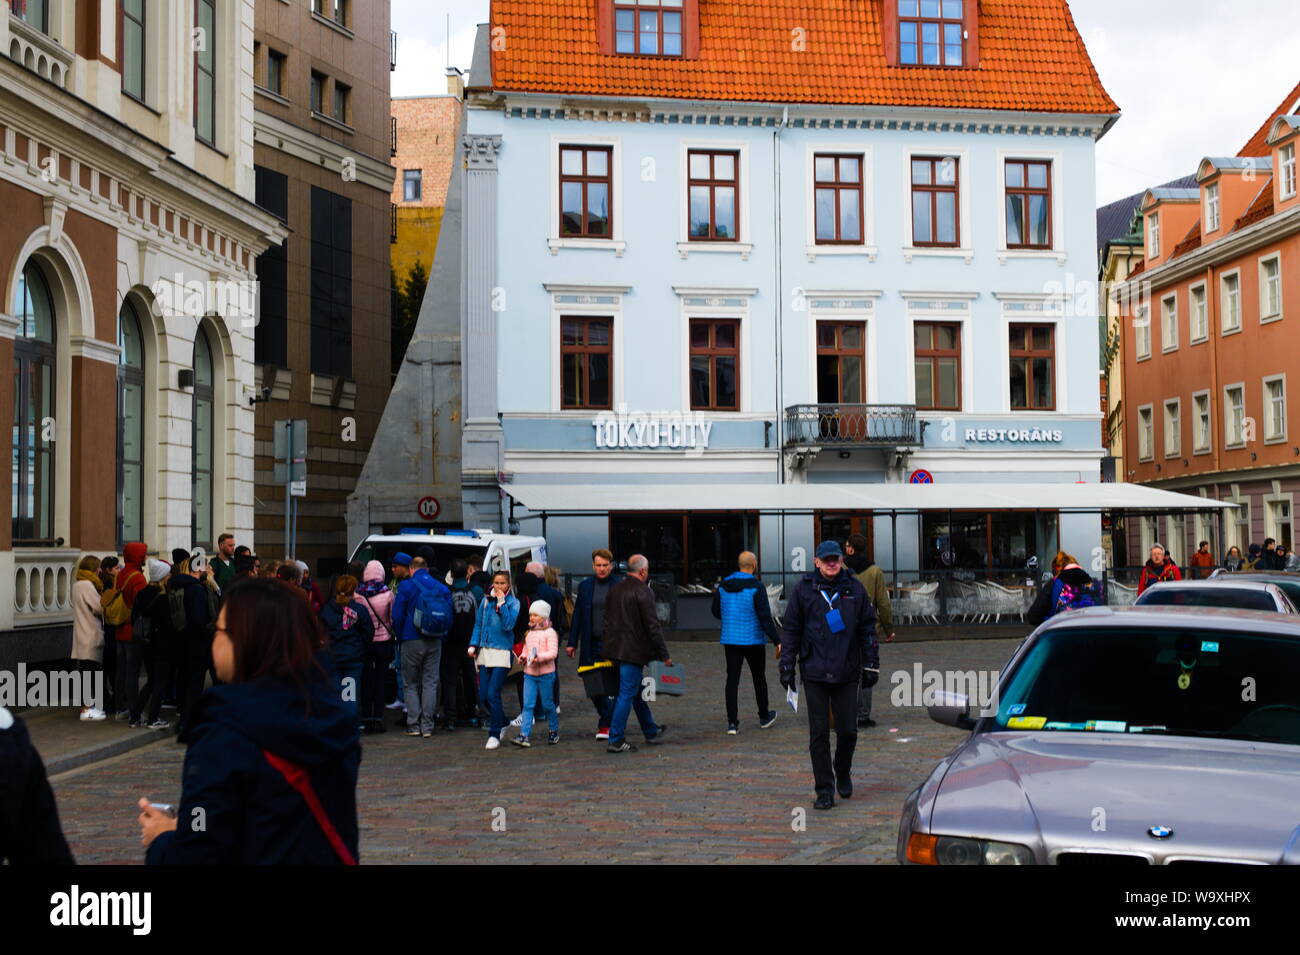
{"x": 829, "y": 631}
{"x": 400, "y": 569}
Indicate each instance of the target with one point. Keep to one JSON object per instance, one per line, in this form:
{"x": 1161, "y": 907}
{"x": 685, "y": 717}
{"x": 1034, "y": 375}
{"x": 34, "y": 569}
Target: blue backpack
{"x": 433, "y": 611}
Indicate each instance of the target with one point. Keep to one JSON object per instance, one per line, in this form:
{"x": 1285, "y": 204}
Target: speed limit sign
{"x": 429, "y": 508}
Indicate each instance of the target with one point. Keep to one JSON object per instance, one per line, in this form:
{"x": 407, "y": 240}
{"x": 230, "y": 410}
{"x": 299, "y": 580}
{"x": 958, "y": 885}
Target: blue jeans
{"x": 397, "y": 665}
{"x": 539, "y": 689}
{"x": 629, "y": 699}
{"x": 350, "y": 685}
{"x": 490, "y": 682}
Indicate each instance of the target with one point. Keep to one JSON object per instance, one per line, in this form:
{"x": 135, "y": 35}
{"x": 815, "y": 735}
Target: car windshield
{"x": 1217, "y": 595}
{"x": 1194, "y": 681}
{"x": 1291, "y": 587}
{"x": 444, "y": 554}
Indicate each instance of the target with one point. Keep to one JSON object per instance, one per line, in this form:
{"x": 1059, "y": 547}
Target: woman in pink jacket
{"x": 541, "y": 647}
{"x": 375, "y": 595}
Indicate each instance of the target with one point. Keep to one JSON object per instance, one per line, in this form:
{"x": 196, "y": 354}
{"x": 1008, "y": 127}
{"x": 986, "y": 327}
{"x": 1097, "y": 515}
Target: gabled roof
{"x": 1032, "y": 58}
{"x": 1212, "y": 164}
{"x": 1163, "y": 194}
{"x": 1117, "y": 220}
{"x": 1261, "y": 208}
{"x": 1190, "y": 241}
{"x": 1282, "y": 127}
{"x": 1258, "y": 145}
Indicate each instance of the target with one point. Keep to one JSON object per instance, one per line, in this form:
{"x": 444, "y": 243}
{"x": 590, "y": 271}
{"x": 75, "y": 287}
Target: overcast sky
{"x": 1194, "y": 78}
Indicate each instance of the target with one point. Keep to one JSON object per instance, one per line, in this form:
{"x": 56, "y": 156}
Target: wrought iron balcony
{"x": 852, "y": 426}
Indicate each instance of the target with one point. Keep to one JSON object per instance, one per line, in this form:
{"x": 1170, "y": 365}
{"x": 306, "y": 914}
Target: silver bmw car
{"x": 1137, "y": 736}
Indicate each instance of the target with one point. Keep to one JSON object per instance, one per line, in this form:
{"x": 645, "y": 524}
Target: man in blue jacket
{"x": 829, "y": 630}
{"x": 421, "y": 655}
{"x": 587, "y": 628}
{"x": 740, "y": 602}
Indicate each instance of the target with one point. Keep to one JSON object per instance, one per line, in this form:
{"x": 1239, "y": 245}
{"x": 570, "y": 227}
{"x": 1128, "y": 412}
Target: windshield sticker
{"x": 1064, "y": 726}
{"x": 1026, "y": 722}
{"x": 1148, "y": 729}
{"x": 1106, "y": 726}
{"x": 1015, "y": 709}
{"x": 1209, "y": 646}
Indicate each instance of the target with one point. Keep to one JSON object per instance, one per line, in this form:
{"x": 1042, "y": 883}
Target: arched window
{"x": 201, "y": 489}
{"x": 130, "y": 426}
{"x": 33, "y": 459}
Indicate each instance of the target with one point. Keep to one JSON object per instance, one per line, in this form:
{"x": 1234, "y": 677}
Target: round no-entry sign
{"x": 429, "y": 508}
{"x": 921, "y": 476}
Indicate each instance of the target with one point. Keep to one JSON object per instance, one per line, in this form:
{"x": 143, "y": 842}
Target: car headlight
{"x": 925, "y": 849}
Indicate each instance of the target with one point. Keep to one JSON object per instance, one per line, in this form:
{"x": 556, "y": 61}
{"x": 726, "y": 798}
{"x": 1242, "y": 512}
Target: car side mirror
{"x": 952, "y": 709}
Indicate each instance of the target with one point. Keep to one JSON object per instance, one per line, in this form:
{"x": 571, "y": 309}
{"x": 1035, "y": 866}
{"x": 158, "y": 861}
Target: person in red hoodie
{"x": 1158, "y": 568}
{"x": 1203, "y": 562}
{"x": 130, "y": 581}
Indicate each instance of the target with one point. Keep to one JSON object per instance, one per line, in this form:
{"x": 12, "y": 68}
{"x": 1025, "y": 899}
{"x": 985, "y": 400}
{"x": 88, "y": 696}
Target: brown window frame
{"x": 933, "y": 355}
{"x": 1030, "y": 353}
{"x": 713, "y": 184}
{"x": 839, "y": 351}
{"x": 585, "y": 180}
{"x": 1025, "y": 192}
{"x": 713, "y": 352}
{"x": 942, "y": 21}
{"x": 636, "y": 10}
{"x": 838, "y": 185}
{"x": 933, "y": 189}
{"x": 584, "y": 350}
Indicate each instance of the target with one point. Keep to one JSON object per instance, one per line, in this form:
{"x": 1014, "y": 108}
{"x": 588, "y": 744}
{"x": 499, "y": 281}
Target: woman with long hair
{"x": 349, "y": 629}
{"x": 491, "y": 649}
{"x": 88, "y": 628}
{"x": 271, "y": 769}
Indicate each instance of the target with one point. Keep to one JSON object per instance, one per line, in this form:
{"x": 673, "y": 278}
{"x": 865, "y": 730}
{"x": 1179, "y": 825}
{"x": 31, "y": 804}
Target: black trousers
{"x": 190, "y": 681}
{"x": 821, "y": 700}
{"x": 374, "y": 670}
{"x": 159, "y": 673}
{"x": 737, "y": 657}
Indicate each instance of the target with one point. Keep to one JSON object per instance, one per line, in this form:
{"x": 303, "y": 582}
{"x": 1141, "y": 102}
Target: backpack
{"x": 464, "y": 608}
{"x": 116, "y": 612}
{"x": 176, "y": 608}
{"x": 1071, "y": 598}
{"x": 433, "y": 611}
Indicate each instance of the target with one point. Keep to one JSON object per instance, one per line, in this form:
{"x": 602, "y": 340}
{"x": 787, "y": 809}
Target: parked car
{"x": 1288, "y": 581}
{"x": 1136, "y": 736}
{"x": 498, "y": 551}
{"x": 1234, "y": 592}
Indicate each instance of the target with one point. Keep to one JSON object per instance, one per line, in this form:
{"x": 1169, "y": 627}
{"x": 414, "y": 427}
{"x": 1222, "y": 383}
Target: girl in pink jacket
{"x": 375, "y": 596}
{"x": 541, "y": 647}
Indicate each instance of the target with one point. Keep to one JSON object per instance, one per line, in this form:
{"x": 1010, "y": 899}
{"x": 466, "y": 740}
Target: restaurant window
{"x": 32, "y": 486}
{"x": 840, "y": 527}
{"x": 130, "y": 426}
{"x": 412, "y": 185}
{"x": 837, "y": 201}
{"x": 931, "y": 32}
{"x": 938, "y": 366}
{"x": 270, "y": 344}
{"x": 697, "y": 549}
{"x": 997, "y": 544}
{"x": 1231, "y": 302}
{"x": 586, "y": 187}
{"x": 586, "y": 363}
{"x": 205, "y": 72}
{"x": 936, "y": 218}
{"x": 648, "y": 27}
{"x": 1033, "y": 382}
{"x": 841, "y": 360}
{"x": 331, "y": 283}
{"x": 1029, "y": 204}
{"x": 203, "y": 445}
{"x": 714, "y": 184}
{"x": 715, "y": 364}
{"x": 133, "y": 48}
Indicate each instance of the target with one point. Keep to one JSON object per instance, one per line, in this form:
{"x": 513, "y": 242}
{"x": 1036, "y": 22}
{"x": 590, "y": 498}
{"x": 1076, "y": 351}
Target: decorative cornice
{"x": 481, "y": 152}
{"x": 693, "y": 292}
{"x": 8, "y": 326}
{"x": 93, "y": 349}
{"x": 275, "y": 133}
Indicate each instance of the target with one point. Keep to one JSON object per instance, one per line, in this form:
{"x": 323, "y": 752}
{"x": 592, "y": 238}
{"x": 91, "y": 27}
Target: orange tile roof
{"x": 1258, "y": 145}
{"x": 1190, "y": 242}
{"x": 1032, "y": 57}
{"x": 1260, "y": 209}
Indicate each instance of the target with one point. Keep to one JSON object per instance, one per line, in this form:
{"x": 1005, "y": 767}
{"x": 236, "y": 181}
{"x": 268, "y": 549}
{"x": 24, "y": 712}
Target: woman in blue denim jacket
{"x": 490, "y": 646}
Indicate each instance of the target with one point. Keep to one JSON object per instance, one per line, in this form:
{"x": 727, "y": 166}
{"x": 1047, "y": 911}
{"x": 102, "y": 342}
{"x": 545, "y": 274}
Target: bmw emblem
{"x": 1160, "y": 832}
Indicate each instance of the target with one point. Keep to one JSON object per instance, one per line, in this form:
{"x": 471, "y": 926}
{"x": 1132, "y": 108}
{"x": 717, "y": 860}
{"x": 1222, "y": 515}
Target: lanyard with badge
{"x": 834, "y": 620}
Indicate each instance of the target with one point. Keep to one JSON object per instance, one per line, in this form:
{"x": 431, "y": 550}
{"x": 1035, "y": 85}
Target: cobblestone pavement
{"x": 702, "y": 796}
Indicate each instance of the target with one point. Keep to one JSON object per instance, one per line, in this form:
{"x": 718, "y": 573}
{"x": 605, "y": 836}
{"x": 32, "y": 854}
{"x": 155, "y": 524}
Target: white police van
{"x": 497, "y": 551}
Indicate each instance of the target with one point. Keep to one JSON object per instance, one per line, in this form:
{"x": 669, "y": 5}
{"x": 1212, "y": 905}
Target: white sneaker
{"x": 396, "y": 705}
{"x": 492, "y": 743}
{"x": 518, "y": 720}
{"x": 93, "y": 715}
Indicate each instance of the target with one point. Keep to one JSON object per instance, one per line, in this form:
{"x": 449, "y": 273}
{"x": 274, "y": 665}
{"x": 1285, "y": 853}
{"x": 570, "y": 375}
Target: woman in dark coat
{"x": 268, "y": 743}
{"x": 349, "y": 630}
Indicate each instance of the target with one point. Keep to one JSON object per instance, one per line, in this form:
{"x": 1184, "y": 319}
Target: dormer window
{"x": 648, "y": 27}
{"x": 1287, "y": 157}
{"x": 931, "y": 32}
{"x": 1212, "y": 207}
{"x": 1153, "y": 236}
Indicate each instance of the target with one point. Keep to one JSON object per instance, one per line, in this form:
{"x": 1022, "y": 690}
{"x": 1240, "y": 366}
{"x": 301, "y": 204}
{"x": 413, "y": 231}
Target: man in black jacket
{"x": 633, "y": 638}
{"x": 829, "y": 630}
{"x": 30, "y": 833}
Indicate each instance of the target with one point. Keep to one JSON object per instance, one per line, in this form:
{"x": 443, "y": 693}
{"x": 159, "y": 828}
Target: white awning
{"x": 773, "y": 498}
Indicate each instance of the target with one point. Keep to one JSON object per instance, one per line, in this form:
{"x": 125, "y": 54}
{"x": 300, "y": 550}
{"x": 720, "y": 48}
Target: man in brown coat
{"x": 633, "y": 638}
{"x": 873, "y": 579}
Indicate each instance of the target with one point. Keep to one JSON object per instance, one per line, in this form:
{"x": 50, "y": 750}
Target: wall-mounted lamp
{"x": 185, "y": 378}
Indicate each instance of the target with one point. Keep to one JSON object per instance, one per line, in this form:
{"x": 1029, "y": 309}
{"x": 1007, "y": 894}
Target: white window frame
{"x": 1225, "y": 297}
{"x": 1176, "y": 539}
{"x": 1199, "y": 446}
{"x": 1274, "y": 258}
{"x": 1198, "y": 314}
{"x": 1271, "y": 523}
{"x": 717, "y": 303}
{"x": 1149, "y": 534}
{"x": 593, "y": 309}
{"x": 1153, "y": 235}
{"x": 1274, "y": 435}
{"x": 1232, "y": 438}
{"x": 867, "y": 246}
{"x": 744, "y": 244}
{"x": 1142, "y": 333}
{"x": 1172, "y": 428}
{"x": 1287, "y": 164}
{"x": 1213, "y": 208}
{"x": 1169, "y": 322}
{"x": 1240, "y": 522}
{"x": 1057, "y": 159}
{"x": 616, "y": 242}
{"x": 1146, "y": 433}
{"x": 965, "y": 247}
